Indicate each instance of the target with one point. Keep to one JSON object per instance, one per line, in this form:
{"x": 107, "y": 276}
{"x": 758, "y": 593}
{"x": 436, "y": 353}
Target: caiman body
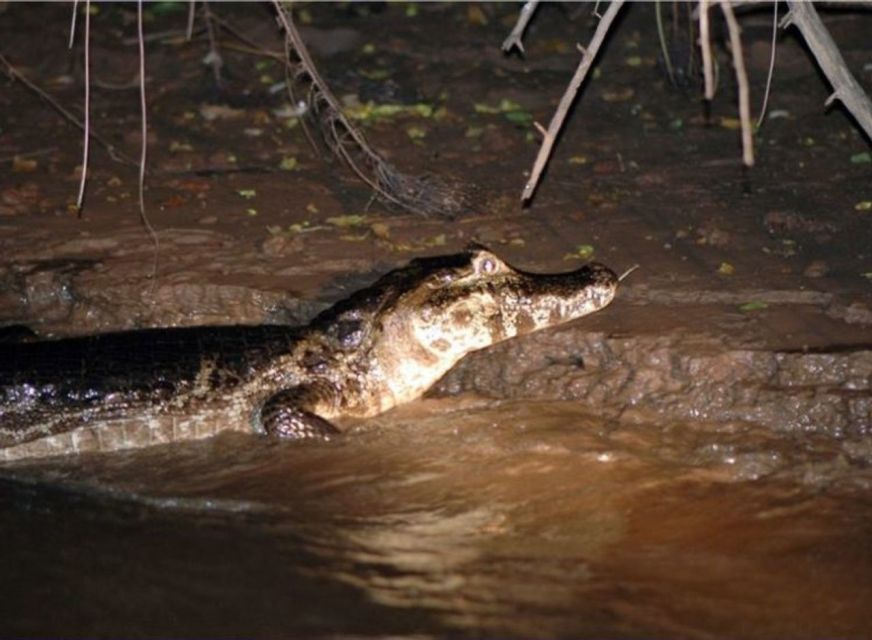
{"x": 382, "y": 346}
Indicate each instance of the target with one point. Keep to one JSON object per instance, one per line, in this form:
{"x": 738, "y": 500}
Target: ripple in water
{"x": 450, "y": 517}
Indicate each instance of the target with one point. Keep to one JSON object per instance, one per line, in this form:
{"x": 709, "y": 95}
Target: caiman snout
{"x": 483, "y": 300}
{"x": 531, "y": 301}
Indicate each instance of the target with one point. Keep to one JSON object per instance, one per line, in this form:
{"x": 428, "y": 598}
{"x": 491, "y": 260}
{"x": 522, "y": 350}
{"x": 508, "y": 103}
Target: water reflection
{"x": 460, "y": 517}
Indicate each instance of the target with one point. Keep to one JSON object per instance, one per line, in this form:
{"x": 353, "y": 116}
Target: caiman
{"x": 380, "y": 347}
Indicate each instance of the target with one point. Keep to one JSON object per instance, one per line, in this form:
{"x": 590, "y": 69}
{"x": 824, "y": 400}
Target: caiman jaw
{"x": 491, "y": 304}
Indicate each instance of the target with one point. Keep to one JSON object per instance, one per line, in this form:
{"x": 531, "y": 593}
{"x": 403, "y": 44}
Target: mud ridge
{"x": 680, "y": 377}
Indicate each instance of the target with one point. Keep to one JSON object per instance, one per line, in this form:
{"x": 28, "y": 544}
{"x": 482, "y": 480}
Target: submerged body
{"x": 382, "y": 346}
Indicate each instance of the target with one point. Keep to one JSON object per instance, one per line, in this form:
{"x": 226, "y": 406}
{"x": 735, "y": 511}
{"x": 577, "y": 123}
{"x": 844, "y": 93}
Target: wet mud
{"x": 693, "y": 461}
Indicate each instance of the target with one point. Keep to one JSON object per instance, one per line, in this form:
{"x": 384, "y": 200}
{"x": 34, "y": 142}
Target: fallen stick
{"x": 803, "y": 16}
{"x": 556, "y": 123}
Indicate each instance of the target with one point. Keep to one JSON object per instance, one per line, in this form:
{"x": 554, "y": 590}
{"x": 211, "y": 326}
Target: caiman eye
{"x": 486, "y": 263}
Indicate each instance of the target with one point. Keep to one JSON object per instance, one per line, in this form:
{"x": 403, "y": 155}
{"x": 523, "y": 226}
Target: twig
{"x": 254, "y": 51}
{"x": 87, "y": 127}
{"x": 166, "y": 36}
{"x": 705, "y": 45}
{"x": 255, "y": 48}
{"x": 192, "y": 7}
{"x": 771, "y": 63}
{"x": 14, "y": 74}
{"x": 742, "y": 80}
{"x": 28, "y": 154}
{"x": 515, "y": 37}
{"x": 143, "y": 155}
{"x": 803, "y": 16}
{"x": 568, "y": 97}
{"x": 661, "y": 35}
{"x": 73, "y": 24}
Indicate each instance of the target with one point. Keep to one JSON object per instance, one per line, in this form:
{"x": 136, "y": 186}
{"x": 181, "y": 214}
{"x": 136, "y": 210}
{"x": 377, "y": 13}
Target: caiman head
{"x": 416, "y": 322}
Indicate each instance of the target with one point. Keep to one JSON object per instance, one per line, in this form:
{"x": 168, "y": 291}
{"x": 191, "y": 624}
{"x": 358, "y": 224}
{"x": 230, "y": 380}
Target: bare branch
{"x": 73, "y": 24}
{"x": 771, "y": 62}
{"x": 742, "y": 80}
{"x": 568, "y": 97}
{"x": 705, "y": 45}
{"x": 144, "y": 132}
{"x": 87, "y": 129}
{"x": 845, "y": 87}
{"x": 192, "y": 6}
{"x": 661, "y": 35}
{"x": 515, "y": 37}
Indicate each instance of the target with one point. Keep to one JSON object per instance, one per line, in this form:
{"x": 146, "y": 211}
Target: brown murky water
{"x": 450, "y": 517}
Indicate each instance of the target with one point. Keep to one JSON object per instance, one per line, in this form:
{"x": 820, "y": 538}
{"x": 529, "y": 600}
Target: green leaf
{"x": 288, "y": 163}
{"x": 754, "y": 305}
{"x": 582, "y": 252}
{"x": 519, "y": 117}
{"x": 351, "y": 220}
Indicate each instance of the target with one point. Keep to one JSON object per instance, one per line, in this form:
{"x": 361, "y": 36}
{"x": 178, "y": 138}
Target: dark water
{"x": 449, "y": 517}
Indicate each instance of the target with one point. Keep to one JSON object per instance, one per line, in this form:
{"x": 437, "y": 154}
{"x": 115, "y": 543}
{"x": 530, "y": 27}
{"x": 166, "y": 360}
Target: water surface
{"x": 457, "y": 517}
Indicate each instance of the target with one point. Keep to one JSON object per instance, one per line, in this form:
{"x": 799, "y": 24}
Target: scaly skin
{"x": 382, "y": 346}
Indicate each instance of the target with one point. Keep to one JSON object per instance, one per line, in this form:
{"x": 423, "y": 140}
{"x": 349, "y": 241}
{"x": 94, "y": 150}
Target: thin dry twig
{"x": 742, "y": 80}
{"x": 515, "y": 38}
{"x": 413, "y": 193}
{"x": 661, "y": 35}
{"x": 28, "y": 154}
{"x": 771, "y": 63}
{"x": 87, "y": 128}
{"x": 705, "y": 45}
{"x": 73, "y": 24}
{"x": 233, "y": 31}
{"x": 168, "y": 36}
{"x": 13, "y": 74}
{"x": 846, "y": 89}
{"x": 254, "y": 51}
{"x": 192, "y": 8}
{"x": 569, "y": 95}
{"x": 144, "y": 132}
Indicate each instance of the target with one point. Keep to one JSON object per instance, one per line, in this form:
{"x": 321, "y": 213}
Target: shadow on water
{"x": 449, "y": 517}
